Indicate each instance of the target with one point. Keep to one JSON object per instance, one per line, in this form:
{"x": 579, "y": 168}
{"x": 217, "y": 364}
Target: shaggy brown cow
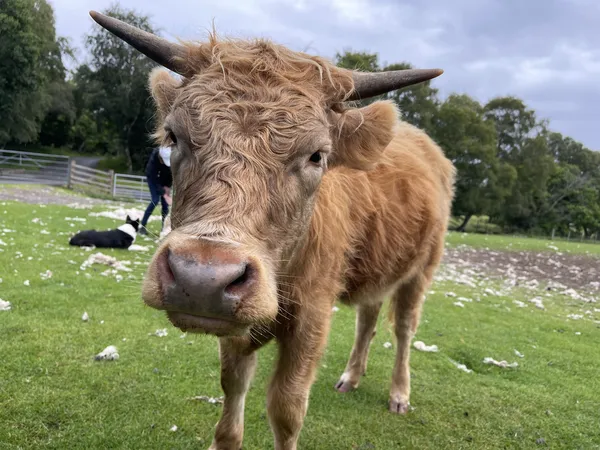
{"x": 287, "y": 199}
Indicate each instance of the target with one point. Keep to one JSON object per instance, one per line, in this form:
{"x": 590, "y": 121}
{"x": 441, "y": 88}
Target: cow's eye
{"x": 172, "y": 137}
{"x": 315, "y": 157}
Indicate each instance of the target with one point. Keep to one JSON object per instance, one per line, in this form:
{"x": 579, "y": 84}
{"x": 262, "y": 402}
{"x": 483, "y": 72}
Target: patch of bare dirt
{"x": 46, "y": 195}
{"x": 577, "y": 276}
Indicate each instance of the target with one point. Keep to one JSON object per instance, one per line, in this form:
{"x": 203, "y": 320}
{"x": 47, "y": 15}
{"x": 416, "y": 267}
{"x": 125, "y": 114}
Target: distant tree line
{"x": 102, "y": 107}
{"x": 511, "y": 166}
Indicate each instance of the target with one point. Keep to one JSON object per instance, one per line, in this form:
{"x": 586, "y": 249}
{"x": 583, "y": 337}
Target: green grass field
{"x": 514, "y": 243}
{"x": 54, "y": 395}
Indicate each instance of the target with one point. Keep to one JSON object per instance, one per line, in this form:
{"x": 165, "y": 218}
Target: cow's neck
{"x": 295, "y": 253}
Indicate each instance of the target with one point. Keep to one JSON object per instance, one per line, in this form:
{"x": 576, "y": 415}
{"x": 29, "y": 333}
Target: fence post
{"x": 72, "y": 164}
{"x": 69, "y": 172}
{"x": 111, "y": 174}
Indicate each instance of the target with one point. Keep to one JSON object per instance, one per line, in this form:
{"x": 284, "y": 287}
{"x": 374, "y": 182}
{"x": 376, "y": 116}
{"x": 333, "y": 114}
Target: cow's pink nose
{"x": 211, "y": 286}
{"x": 213, "y": 277}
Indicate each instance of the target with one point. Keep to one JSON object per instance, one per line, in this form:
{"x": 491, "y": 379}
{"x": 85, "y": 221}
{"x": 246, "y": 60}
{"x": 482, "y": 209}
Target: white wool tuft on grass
{"x": 461, "y": 366}
{"x": 121, "y": 213}
{"x": 4, "y": 305}
{"x": 138, "y": 248}
{"x": 503, "y": 363}
{"x": 160, "y": 333}
{"x": 111, "y": 261}
{"x": 208, "y": 399}
{"x": 420, "y": 345}
{"x": 110, "y": 353}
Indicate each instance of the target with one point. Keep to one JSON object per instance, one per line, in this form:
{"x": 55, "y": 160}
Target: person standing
{"x": 160, "y": 180}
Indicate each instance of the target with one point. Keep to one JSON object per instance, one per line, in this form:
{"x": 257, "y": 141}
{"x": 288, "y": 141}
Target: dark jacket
{"x": 157, "y": 172}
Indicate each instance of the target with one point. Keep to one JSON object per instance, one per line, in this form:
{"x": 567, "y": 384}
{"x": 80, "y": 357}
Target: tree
{"x": 535, "y": 168}
{"x": 574, "y": 188}
{"x": 361, "y": 61}
{"x": 503, "y": 178}
{"x": 566, "y": 150}
{"x": 31, "y": 56}
{"x": 120, "y": 73}
{"x": 418, "y": 103}
{"x": 514, "y": 122}
{"x": 56, "y": 127}
{"x": 92, "y": 130}
{"x": 584, "y": 209}
{"x": 470, "y": 143}
{"x": 523, "y": 143}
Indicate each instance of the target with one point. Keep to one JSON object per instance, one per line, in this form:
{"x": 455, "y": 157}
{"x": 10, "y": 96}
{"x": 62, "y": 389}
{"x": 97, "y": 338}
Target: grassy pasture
{"x": 514, "y": 243}
{"x": 54, "y": 395}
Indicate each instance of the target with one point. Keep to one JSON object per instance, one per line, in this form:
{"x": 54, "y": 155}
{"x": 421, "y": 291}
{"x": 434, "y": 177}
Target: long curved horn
{"x": 370, "y": 84}
{"x": 167, "y": 54}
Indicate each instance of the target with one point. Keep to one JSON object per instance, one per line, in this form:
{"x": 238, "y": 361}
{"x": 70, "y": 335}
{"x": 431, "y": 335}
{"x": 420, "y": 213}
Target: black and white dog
{"x": 122, "y": 237}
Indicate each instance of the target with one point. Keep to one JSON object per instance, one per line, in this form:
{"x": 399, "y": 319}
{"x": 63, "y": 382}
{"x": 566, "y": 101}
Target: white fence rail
{"x": 39, "y": 168}
{"x": 130, "y": 186}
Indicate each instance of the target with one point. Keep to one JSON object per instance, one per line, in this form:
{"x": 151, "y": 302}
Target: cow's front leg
{"x": 366, "y": 321}
{"x": 300, "y": 349}
{"x": 238, "y": 362}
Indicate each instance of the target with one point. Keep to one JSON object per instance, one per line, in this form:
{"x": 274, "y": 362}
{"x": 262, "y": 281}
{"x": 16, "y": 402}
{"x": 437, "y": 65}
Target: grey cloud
{"x": 543, "y": 51}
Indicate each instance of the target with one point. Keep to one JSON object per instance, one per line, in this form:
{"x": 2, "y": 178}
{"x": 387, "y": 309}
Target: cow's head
{"x": 253, "y": 127}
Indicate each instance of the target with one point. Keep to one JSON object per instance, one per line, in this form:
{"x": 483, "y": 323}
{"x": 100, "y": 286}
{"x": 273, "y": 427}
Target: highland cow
{"x": 288, "y": 198}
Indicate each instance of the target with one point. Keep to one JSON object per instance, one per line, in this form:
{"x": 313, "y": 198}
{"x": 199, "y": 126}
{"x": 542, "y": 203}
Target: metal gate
{"x": 33, "y": 168}
{"x": 131, "y": 186}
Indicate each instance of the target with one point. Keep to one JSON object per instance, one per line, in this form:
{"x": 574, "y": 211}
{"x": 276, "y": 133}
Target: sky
{"x": 546, "y": 52}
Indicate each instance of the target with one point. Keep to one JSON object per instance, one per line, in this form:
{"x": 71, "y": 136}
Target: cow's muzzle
{"x": 203, "y": 286}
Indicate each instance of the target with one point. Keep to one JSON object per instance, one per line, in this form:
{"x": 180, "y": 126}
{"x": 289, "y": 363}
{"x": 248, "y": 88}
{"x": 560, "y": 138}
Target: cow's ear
{"x": 163, "y": 87}
{"x": 361, "y": 134}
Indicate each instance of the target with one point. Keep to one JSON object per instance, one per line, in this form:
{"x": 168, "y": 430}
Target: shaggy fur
{"x": 325, "y": 201}
{"x": 121, "y": 237}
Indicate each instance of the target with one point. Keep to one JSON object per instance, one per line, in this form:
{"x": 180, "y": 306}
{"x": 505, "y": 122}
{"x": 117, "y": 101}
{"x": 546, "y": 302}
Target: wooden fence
{"x": 91, "y": 180}
{"x": 57, "y": 170}
{"x": 109, "y": 183}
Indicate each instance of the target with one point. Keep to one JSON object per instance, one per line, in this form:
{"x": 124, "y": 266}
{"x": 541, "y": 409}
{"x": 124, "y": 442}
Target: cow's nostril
{"x": 242, "y": 278}
{"x": 242, "y": 281}
{"x": 165, "y": 270}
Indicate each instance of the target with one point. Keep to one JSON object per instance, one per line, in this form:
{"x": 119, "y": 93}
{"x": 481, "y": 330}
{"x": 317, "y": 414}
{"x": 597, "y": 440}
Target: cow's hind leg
{"x": 406, "y": 313}
{"x": 366, "y": 320}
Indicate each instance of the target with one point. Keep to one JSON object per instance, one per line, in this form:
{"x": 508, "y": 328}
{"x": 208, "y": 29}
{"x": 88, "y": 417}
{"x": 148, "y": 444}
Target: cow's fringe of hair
{"x": 260, "y": 55}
